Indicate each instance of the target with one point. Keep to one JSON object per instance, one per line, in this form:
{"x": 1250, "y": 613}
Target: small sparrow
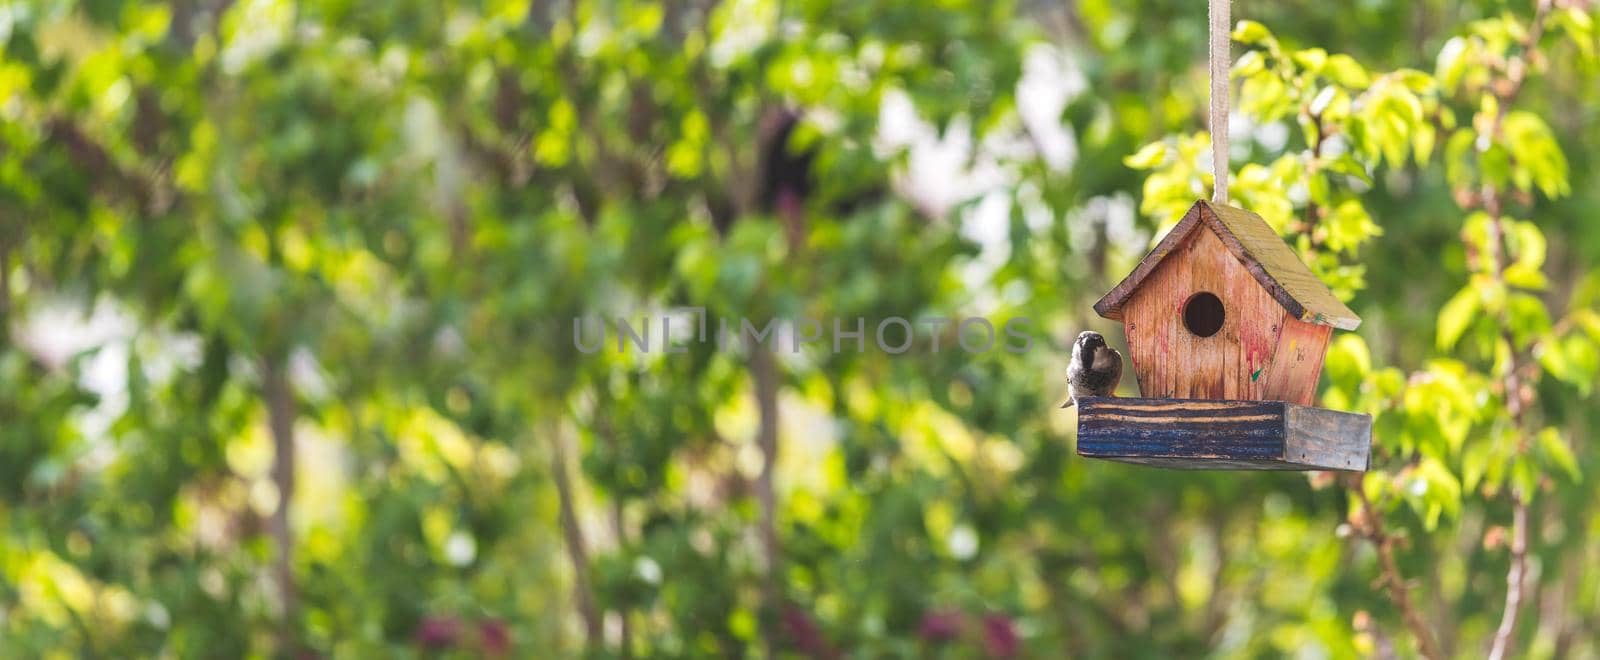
{"x": 1095, "y": 369}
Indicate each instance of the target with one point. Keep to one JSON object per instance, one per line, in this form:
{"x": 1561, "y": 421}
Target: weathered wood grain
{"x": 1170, "y": 361}
{"x": 1277, "y": 323}
{"x": 1278, "y": 269}
{"x": 1264, "y": 255}
{"x": 1228, "y": 435}
{"x": 1297, "y": 362}
{"x": 1326, "y": 437}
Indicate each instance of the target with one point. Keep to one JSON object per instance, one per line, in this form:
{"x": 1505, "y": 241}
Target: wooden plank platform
{"x": 1204, "y": 434}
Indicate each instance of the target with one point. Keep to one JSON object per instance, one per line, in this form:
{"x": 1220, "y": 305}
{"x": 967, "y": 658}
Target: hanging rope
{"x": 1220, "y": 10}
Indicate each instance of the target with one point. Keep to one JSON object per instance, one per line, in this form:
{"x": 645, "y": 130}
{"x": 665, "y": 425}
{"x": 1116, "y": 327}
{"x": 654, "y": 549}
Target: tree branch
{"x": 625, "y": 637}
{"x": 572, "y": 535}
{"x": 1516, "y": 579}
{"x": 102, "y": 167}
{"x": 765, "y": 374}
{"x": 619, "y": 526}
{"x": 1516, "y": 575}
{"x": 5, "y": 290}
{"x": 280, "y": 419}
{"x": 1368, "y": 519}
{"x": 1370, "y": 524}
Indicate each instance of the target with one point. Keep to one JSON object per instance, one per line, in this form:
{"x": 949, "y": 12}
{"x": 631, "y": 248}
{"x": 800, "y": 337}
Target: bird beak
{"x": 1068, "y": 404}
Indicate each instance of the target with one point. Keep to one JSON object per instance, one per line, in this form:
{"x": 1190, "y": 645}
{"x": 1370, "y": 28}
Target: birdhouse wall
{"x": 1238, "y": 361}
{"x": 1297, "y": 364}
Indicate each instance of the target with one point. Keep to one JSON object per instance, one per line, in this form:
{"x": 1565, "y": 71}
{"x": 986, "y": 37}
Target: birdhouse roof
{"x": 1265, "y": 255}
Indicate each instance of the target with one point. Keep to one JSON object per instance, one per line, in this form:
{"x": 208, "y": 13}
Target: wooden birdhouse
{"x": 1226, "y": 331}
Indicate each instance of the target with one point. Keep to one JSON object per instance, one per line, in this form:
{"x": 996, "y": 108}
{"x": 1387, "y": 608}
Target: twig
{"x": 1217, "y": 605}
{"x": 1369, "y": 521}
{"x": 619, "y": 526}
{"x": 1516, "y": 579}
{"x": 1370, "y": 525}
{"x": 764, "y": 372}
{"x": 88, "y": 155}
{"x": 280, "y": 420}
{"x": 5, "y": 289}
{"x": 1313, "y": 212}
{"x": 572, "y": 534}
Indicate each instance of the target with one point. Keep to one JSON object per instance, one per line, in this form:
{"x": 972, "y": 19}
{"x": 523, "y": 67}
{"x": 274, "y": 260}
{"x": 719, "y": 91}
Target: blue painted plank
{"x": 1228, "y": 435}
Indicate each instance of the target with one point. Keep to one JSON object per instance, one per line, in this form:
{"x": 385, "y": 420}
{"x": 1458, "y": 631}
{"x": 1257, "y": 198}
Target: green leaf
{"x": 1317, "y": 188}
{"x": 1475, "y": 232}
{"x": 1536, "y": 158}
{"x": 1582, "y": 361}
{"x": 1422, "y": 142}
{"x": 1250, "y": 32}
{"x": 1580, "y": 26}
{"x": 1495, "y": 164}
{"x": 1520, "y": 275}
{"x": 1573, "y": 359}
{"x": 1147, "y": 157}
{"x": 1417, "y": 81}
{"x": 1528, "y": 244}
{"x": 1474, "y": 463}
{"x": 1344, "y": 70}
{"x": 1441, "y": 490}
{"x": 1349, "y": 226}
{"x": 1374, "y": 483}
{"x": 1458, "y": 158}
{"x": 1527, "y": 318}
{"x": 1491, "y": 293}
{"x": 1525, "y": 473}
{"x": 1348, "y": 360}
{"x": 1249, "y": 64}
{"x": 1348, "y": 165}
{"x": 1266, "y": 96}
{"x": 1452, "y": 62}
{"x": 1311, "y": 59}
{"x": 1553, "y": 449}
{"x": 1455, "y": 316}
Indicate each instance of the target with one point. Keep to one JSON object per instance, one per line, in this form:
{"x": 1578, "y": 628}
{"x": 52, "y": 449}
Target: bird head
{"x": 1088, "y": 342}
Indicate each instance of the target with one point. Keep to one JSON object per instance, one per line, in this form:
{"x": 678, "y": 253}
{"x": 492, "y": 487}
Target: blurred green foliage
{"x": 287, "y": 365}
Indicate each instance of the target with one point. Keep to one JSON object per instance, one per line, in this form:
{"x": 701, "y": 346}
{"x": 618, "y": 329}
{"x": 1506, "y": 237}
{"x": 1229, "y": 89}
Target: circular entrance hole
{"x": 1203, "y": 315}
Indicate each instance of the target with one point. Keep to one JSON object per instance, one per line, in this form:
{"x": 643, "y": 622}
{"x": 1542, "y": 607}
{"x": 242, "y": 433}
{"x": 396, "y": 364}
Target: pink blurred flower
{"x": 1000, "y": 636}
{"x": 494, "y": 636}
{"x": 805, "y": 633}
{"x": 438, "y": 632}
{"x": 940, "y": 625}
